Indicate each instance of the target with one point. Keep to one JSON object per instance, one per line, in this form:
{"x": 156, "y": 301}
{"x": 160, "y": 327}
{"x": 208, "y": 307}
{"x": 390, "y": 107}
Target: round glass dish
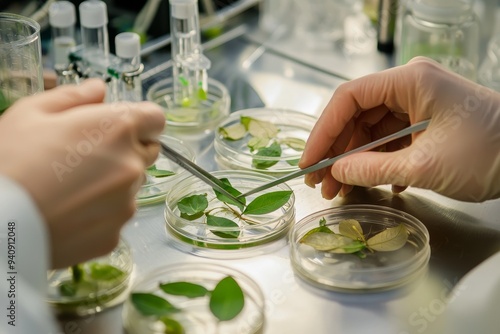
{"x": 211, "y": 239}
{"x": 158, "y": 180}
{"x": 379, "y": 270}
{"x": 194, "y": 315}
{"x": 203, "y": 116}
{"x": 291, "y": 130}
{"x": 99, "y": 284}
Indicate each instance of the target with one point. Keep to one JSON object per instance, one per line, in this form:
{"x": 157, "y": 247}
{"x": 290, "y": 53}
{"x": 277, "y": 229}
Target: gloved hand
{"x": 457, "y": 156}
{"x": 82, "y": 161}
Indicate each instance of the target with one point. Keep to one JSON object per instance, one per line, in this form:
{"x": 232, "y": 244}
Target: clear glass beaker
{"x": 444, "y": 30}
{"x": 21, "y": 70}
{"x": 323, "y": 24}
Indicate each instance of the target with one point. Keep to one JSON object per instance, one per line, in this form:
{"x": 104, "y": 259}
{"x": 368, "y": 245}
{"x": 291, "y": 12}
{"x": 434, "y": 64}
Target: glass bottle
{"x": 444, "y": 30}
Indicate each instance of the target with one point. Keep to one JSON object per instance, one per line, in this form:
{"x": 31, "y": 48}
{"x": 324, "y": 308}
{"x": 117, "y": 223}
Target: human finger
{"x": 383, "y": 88}
{"x": 146, "y": 119}
{"x": 369, "y": 169}
{"x": 68, "y": 96}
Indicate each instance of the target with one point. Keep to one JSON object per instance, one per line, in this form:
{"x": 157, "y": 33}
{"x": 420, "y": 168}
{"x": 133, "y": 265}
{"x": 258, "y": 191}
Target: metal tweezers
{"x": 197, "y": 171}
{"x": 219, "y": 185}
{"x": 420, "y": 126}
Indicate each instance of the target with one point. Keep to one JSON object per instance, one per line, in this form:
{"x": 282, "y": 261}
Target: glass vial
{"x": 444, "y": 30}
{"x": 93, "y": 21}
{"x": 62, "y": 19}
{"x": 128, "y": 51}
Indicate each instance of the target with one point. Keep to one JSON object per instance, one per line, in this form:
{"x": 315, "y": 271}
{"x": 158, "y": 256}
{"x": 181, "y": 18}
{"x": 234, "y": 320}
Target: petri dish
{"x": 193, "y": 315}
{"x": 293, "y": 129}
{"x": 103, "y": 283}
{"x": 245, "y": 235}
{"x": 379, "y": 270}
{"x": 158, "y": 179}
{"x": 203, "y": 116}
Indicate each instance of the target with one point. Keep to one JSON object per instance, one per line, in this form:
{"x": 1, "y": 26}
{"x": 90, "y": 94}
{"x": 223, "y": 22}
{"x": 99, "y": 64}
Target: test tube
{"x": 128, "y": 82}
{"x": 62, "y": 19}
{"x": 190, "y": 65}
{"x": 94, "y": 29}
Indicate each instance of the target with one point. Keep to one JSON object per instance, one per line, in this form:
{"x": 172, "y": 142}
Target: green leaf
{"x": 389, "y": 240}
{"x": 223, "y": 222}
{"x": 192, "y": 205}
{"x": 322, "y": 221}
{"x": 172, "y": 326}
{"x": 352, "y": 229}
{"x": 202, "y": 94}
{"x": 227, "y": 299}
{"x": 273, "y": 151}
{"x": 77, "y": 273}
{"x": 360, "y": 254}
{"x": 104, "y": 272}
{"x": 235, "y": 192}
{"x": 355, "y": 246}
{"x": 268, "y": 202}
{"x": 245, "y": 120}
{"x": 293, "y": 162}
{"x": 186, "y": 289}
{"x": 192, "y": 217}
{"x": 294, "y": 143}
{"x": 233, "y": 132}
{"x": 262, "y": 129}
{"x": 68, "y": 289}
{"x": 323, "y": 229}
{"x": 332, "y": 242}
{"x": 153, "y": 171}
{"x": 150, "y": 304}
{"x": 257, "y": 142}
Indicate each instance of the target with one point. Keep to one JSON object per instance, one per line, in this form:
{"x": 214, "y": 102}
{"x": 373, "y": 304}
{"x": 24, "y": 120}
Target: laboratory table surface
{"x": 258, "y": 72}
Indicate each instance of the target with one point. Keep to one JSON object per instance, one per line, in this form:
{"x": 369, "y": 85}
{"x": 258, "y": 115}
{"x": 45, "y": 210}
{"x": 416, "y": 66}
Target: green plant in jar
{"x": 228, "y": 213}
{"x": 263, "y": 141}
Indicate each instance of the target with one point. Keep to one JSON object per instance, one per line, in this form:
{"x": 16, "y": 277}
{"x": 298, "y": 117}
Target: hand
{"x": 82, "y": 161}
{"x": 457, "y": 156}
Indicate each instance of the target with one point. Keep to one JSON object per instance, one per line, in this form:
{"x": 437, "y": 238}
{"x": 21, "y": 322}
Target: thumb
{"x": 369, "y": 169}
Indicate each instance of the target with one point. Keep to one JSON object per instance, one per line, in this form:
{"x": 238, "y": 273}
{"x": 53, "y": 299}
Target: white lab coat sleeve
{"x": 474, "y": 303}
{"x": 24, "y": 259}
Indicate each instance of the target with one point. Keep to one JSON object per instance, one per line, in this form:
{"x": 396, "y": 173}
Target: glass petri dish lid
{"x": 226, "y": 230}
{"x": 193, "y": 292}
{"x": 164, "y": 173}
{"x": 385, "y": 262}
{"x": 265, "y": 140}
{"x": 92, "y": 286}
{"x": 203, "y": 115}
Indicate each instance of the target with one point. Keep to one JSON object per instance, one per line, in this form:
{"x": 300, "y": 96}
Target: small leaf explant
{"x": 225, "y": 219}
{"x": 351, "y": 238}
{"x": 263, "y": 141}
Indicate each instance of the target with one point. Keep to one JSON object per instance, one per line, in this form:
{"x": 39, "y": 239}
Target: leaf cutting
{"x": 351, "y": 238}
{"x": 263, "y": 140}
{"x": 225, "y": 301}
{"x": 154, "y": 171}
{"x": 225, "y": 220}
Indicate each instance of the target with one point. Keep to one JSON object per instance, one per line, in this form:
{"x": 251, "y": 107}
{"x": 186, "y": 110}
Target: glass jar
{"x": 444, "y": 30}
